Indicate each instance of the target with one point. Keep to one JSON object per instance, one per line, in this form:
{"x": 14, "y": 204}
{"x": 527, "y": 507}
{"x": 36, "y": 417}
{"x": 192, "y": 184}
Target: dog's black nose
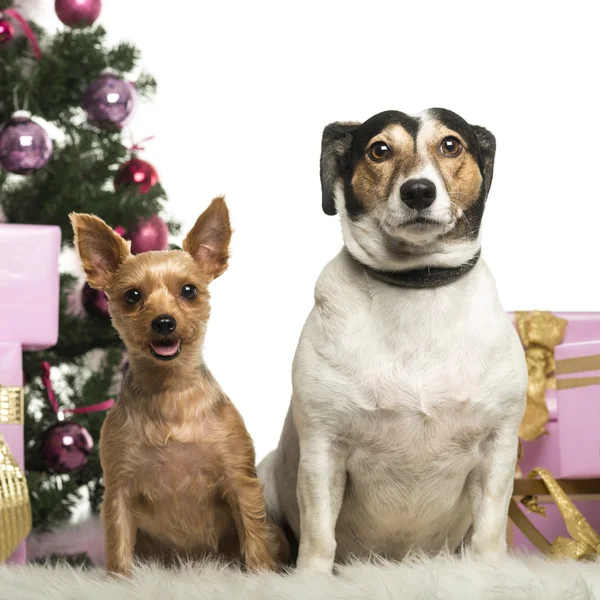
{"x": 418, "y": 193}
{"x": 164, "y": 324}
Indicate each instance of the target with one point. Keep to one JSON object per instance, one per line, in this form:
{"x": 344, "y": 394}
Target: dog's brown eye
{"x": 189, "y": 291}
{"x": 451, "y": 146}
{"x": 379, "y": 151}
{"x": 133, "y": 296}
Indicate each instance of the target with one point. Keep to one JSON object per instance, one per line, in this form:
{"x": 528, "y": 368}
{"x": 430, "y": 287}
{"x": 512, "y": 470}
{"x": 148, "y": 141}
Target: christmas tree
{"x": 68, "y": 153}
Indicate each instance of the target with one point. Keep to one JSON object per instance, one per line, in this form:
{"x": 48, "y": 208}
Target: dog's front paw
{"x": 314, "y": 564}
{"x": 256, "y": 564}
{"x": 487, "y": 549}
{"x": 117, "y": 571}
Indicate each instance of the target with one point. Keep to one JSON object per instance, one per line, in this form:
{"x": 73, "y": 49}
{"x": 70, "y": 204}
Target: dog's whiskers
{"x": 459, "y": 214}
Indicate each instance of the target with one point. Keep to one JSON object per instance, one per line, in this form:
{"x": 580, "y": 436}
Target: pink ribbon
{"x": 71, "y": 411}
{"x": 16, "y": 15}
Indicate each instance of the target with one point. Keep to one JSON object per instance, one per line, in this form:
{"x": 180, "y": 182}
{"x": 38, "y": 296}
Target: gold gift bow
{"x": 15, "y": 508}
{"x": 540, "y": 333}
{"x": 584, "y": 543}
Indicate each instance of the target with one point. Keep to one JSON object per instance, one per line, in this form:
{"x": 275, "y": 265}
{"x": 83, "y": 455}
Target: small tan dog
{"x": 179, "y": 466}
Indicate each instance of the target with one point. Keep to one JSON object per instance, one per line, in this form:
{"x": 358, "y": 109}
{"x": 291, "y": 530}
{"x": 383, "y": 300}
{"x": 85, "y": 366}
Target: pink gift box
{"x": 563, "y": 443}
{"x": 578, "y": 383}
{"x": 29, "y": 304}
{"x": 29, "y": 284}
{"x": 11, "y": 375}
{"x": 571, "y": 450}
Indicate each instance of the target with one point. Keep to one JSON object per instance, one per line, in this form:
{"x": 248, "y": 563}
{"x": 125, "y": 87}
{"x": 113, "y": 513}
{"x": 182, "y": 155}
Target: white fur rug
{"x": 443, "y": 578}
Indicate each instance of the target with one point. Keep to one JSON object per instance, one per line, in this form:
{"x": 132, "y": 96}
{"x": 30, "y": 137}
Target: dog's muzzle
{"x": 168, "y": 347}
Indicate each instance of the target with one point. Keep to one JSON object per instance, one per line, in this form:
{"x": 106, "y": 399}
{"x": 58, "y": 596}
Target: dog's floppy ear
{"x": 335, "y": 157}
{"x": 101, "y": 249}
{"x": 208, "y": 241}
{"x": 487, "y": 148}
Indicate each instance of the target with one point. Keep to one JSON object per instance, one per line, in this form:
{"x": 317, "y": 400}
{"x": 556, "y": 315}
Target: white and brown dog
{"x": 409, "y": 381}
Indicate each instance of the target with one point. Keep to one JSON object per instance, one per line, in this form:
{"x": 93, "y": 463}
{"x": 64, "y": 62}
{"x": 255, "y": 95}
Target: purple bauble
{"x": 109, "y": 100}
{"x": 66, "y": 447}
{"x": 25, "y": 146}
{"x": 94, "y": 302}
{"x": 152, "y": 234}
{"x": 77, "y": 13}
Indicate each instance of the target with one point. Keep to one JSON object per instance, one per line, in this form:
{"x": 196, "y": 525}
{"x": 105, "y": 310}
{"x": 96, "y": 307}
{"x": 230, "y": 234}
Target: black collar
{"x": 427, "y": 277}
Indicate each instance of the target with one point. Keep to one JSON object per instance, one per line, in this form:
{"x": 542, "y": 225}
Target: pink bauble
{"x": 152, "y": 234}
{"x": 66, "y": 446}
{"x": 7, "y": 31}
{"x": 77, "y": 13}
{"x": 137, "y": 172}
{"x": 109, "y": 100}
{"x": 25, "y": 146}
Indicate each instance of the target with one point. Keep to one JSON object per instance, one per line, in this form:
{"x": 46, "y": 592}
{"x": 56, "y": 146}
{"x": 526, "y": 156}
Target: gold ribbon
{"x": 540, "y": 333}
{"x": 15, "y": 509}
{"x": 584, "y": 542}
{"x": 12, "y": 406}
{"x": 578, "y": 364}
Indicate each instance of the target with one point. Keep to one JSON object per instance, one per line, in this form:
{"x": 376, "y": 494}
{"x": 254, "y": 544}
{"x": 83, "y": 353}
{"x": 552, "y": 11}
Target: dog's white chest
{"x": 387, "y": 358}
{"x": 389, "y": 372}
{"x": 413, "y": 386}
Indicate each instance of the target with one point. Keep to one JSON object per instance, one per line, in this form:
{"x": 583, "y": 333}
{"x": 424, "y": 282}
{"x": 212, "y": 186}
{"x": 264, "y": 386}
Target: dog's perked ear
{"x": 336, "y": 146}
{"x": 208, "y": 241}
{"x": 101, "y": 249}
{"x": 487, "y": 148}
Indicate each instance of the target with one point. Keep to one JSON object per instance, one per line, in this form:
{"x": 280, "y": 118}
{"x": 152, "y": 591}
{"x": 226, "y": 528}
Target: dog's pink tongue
{"x": 166, "y": 349}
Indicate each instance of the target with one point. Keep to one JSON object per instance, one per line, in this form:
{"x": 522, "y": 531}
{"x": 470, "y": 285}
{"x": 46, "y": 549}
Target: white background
{"x": 245, "y": 89}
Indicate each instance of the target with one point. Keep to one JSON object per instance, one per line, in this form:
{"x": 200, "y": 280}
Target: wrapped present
{"x": 545, "y": 336}
{"x": 29, "y": 298}
{"x": 559, "y": 431}
{"x": 29, "y": 284}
